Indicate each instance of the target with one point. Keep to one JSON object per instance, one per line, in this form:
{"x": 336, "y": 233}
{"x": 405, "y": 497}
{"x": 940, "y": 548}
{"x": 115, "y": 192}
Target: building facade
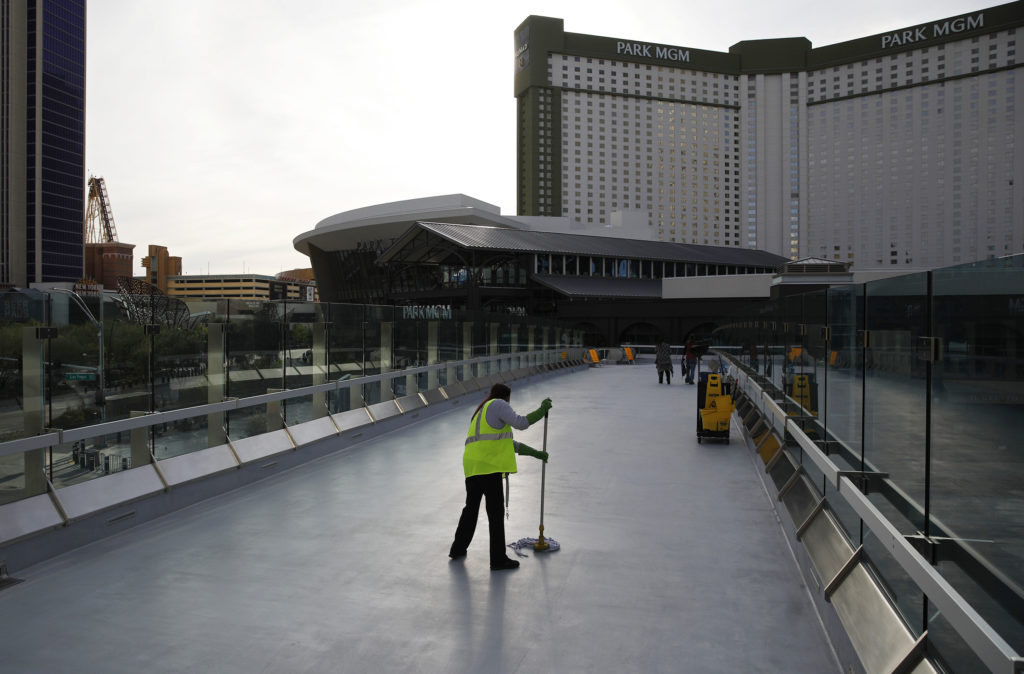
{"x": 160, "y": 266}
{"x": 254, "y": 287}
{"x": 898, "y": 150}
{"x": 107, "y": 262}
{"x": 42, "y": 141}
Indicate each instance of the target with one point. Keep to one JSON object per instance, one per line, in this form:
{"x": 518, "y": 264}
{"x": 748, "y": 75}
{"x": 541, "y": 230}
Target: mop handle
{"x": 543, "y": 466}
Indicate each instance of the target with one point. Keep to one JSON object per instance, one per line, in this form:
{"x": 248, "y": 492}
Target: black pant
{"x": 489, "y": 487}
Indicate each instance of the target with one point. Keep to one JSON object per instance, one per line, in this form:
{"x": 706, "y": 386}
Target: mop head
{"x": 553, "y": 545}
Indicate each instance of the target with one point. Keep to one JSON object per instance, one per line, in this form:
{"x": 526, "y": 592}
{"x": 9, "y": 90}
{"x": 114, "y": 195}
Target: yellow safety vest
{"x": 488, "y": 449}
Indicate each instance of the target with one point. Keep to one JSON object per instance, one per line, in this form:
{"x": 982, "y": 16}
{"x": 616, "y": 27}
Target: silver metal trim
{"x": 800, "y": 530}
{"x": 986, "y": 643}
{"x": 837, "y": 580}
{"x": 913, "y": 657}
{"x": 793, "y": 479}
{"x": 28, "y": 444}
{"x": 160, "y": 473}
{"x": 811, "y": 449}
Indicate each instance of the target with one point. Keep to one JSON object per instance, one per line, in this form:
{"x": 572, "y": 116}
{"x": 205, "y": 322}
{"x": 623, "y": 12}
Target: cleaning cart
{"x": 714, "y": 406}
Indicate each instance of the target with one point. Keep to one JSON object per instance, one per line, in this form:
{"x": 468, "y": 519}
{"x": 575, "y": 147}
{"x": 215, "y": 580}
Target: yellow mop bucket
{"x": 716, "y": 413}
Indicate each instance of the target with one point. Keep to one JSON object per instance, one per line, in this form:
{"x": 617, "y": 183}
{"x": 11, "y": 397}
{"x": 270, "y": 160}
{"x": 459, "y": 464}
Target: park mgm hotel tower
{"x": 904, "y": 148}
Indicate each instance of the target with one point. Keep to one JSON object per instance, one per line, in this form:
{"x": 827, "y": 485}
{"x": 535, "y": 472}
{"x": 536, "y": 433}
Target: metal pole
{"x": 541, "y": 544}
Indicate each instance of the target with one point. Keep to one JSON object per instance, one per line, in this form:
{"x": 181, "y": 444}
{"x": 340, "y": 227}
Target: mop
{"x": 539, "y": 544}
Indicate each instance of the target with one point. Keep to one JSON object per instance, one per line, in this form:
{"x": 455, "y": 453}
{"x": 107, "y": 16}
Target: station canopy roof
{"x": 494, "y": 239}
{"x": 601, "y": 286}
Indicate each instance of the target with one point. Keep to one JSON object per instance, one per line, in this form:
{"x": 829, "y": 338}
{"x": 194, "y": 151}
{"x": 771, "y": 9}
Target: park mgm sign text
{"x": 550, "y": 39}
{"x": 939, "y": 29}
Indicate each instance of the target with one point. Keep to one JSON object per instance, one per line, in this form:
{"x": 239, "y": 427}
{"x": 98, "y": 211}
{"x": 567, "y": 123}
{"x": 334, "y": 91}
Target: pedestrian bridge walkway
{"x": 672, "y": 559}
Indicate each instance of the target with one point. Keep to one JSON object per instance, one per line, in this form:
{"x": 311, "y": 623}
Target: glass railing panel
{"x": 807, "y": 383}
{"x": 253, "y": 349}
{"x": 96, "y": 456}
{"x": 128, "y": 387}
{"x": 904, "y": 593}
{"x": 180, "y": 368}
{"x": 180, "y": 437}
{"x": 978, "y": 419}
{"x": 347, "y": 342}
{"x": 19, "y": 310}
{"x": 301, "y": 409}
{"x": 303, "y": 326}
{"x": 895, "y": 385}
{"x": 843, "y": 380}
{"x": 68, "y": 464}
{"x": 841, "y": 510}
{"x": 12, "y": 478}
{"x": 949, "y": 648}
{"x": 411, "y": 337}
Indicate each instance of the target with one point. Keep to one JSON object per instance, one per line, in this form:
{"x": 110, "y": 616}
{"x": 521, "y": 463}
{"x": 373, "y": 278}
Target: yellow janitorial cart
{"x": 714, "y": 407}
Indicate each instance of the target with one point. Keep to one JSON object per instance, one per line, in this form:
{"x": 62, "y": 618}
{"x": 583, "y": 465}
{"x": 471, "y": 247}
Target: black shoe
{"x": 504, "y": 564}
{"x": 456, "y": 554}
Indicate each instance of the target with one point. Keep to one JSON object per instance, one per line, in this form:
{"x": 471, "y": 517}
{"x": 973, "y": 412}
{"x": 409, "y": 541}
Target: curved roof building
{"x": 461, "y": 252}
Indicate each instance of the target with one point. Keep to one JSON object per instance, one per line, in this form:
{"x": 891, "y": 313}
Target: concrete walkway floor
{"x": 671, "y": 560}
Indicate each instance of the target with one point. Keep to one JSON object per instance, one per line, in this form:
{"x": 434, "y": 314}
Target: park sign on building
{"x": 434, "y": 312}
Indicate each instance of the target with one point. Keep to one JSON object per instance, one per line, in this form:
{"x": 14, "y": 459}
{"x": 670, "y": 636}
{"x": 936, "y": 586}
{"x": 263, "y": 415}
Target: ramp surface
{"x": 671, "y": 560}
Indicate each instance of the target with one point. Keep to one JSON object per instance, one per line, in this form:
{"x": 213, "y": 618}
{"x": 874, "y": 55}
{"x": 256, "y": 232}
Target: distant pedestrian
{"x": 690, "y": 357}
{"x": 663, "y": 361}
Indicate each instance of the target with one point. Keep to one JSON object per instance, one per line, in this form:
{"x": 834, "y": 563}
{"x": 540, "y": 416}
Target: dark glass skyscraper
{"x": 42, "y": 140}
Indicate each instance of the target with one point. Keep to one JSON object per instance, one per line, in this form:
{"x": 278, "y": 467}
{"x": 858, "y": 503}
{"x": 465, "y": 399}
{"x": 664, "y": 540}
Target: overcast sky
{"x": 225, "y": 128}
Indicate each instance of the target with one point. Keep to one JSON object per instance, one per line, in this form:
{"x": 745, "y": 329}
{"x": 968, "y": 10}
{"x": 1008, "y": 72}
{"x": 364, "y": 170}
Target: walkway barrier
{"x": 129, "y": 490}
{"x": 617, "y": 355}
{"x": 856, "y": 607}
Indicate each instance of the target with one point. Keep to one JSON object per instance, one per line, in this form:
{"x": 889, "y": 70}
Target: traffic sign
{"x": 80, "y": 376}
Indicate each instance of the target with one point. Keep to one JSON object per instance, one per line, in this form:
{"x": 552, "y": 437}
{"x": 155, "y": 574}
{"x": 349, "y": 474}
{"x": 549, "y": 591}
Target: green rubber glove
{"x": 538, "y": 414}
{"x": 526, "y": 450}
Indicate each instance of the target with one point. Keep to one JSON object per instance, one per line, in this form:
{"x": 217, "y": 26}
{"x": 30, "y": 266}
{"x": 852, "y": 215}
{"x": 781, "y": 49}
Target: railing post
{"x": 215, "y": 434}
{"x": 140, "y": 443}
{"x": 274, "y": 420}
{"x": 493, "y": 349}
{"x": 386, "y": 358}
{"x": 32, "y": 395}
{"x": 467, "y": 350}
{"x": 432, "y": 353}
{"x": 318, "y": 361}
{"x": 514, "y": 363}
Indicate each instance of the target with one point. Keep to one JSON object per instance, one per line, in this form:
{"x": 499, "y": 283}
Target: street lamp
{"x": 101, "y": 398}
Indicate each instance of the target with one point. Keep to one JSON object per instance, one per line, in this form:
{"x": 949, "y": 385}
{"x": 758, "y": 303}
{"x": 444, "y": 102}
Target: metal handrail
{"x": 986, "y": 643}
{"x": 53, "y": 437}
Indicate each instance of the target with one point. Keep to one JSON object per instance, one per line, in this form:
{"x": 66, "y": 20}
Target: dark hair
{"x": 501, "y": 391}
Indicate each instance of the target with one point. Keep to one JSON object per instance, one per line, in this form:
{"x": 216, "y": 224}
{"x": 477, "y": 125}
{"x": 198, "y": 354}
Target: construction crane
{"x": 99, "y": 217}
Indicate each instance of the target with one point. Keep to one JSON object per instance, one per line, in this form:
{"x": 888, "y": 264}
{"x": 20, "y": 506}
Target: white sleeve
{"x": 500, "y": 413}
